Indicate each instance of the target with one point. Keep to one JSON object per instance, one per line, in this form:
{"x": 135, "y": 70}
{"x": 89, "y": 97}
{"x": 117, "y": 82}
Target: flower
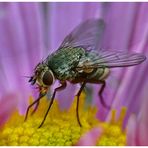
{"x": 30, "y": 31}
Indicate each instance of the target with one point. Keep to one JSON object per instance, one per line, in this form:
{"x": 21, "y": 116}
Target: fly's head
{"x": 43, "y": 76}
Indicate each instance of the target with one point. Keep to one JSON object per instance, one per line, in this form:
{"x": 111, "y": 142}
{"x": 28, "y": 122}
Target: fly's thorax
{"x": 64, "y": 61}
{"x": 99, "y": 74}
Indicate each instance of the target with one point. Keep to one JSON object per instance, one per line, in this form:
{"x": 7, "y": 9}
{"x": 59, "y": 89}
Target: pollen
{"x": 60, "y": 128}
{"x": 113, "y": 132}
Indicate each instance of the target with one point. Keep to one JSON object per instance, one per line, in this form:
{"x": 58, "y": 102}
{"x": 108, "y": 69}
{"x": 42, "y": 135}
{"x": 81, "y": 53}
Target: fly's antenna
{"x": 27, "y": 76}
{"x": 31, "y": 79}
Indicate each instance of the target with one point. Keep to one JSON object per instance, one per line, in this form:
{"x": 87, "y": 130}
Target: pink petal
{"x": 142, "y": 135}
{"x": 143, "y": 123}
{"x": 131, "y": 131}
{"x": 90, "y": 138}
{"x": 8, "y": 104}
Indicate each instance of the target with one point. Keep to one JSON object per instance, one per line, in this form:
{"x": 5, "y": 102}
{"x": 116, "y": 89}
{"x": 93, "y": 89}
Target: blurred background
{"x": 31, "y": 31}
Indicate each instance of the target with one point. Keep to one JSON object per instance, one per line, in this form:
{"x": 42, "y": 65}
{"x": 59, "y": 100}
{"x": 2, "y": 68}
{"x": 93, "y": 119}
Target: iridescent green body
{"x": 64, "y": 61}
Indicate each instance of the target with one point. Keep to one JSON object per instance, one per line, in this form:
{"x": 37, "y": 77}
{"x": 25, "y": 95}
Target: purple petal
{"x": 21, "y": 43}
{"x": 131, "y": 131}
{"x": 142, "y": 122}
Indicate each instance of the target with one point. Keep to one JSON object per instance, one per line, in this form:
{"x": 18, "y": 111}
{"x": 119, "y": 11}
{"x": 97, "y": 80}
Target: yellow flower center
{"x": 60, "y": 128}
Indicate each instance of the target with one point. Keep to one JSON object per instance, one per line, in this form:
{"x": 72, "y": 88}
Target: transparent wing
{"x": 110, "y": 59}
{"x": 86, "y": 35}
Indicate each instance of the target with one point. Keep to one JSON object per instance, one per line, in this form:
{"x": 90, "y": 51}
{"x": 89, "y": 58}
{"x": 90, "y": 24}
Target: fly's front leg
{"x": 36, "y": 101}
{"x": 63, "y": 86}
{"x": 78, "y": 98}
{"x": 37, "y": 104}
{"x": 101, "y": 97}
{"x": 36, "y": 107}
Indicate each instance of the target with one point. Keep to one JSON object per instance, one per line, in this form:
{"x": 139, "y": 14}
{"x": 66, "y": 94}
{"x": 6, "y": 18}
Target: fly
{"x": 79, "y": 59}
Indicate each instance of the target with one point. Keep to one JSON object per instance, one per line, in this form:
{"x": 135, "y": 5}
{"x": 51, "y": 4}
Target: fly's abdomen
{"x": 99, "y": 74}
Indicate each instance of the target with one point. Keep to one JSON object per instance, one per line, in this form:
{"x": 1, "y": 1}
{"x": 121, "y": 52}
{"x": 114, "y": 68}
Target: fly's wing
{"x": 86, "y": 35}
{"x": 109, "y": 59}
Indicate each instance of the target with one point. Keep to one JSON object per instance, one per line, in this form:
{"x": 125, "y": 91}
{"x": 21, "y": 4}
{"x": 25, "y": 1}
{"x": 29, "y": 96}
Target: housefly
{"x": 79, "y": 59}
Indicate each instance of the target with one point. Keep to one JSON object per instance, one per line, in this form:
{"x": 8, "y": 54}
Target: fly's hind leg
{"x": 101, "y": 95}
{"x": 78, "y": 98}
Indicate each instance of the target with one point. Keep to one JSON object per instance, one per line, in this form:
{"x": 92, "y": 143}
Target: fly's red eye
{"x": 47, "y": 78}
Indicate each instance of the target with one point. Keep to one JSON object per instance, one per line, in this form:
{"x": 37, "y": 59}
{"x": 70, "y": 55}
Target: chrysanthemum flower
{"x": 30, "y": 31}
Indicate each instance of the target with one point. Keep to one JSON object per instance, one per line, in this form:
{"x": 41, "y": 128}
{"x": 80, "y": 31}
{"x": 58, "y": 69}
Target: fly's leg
{"x": 77, "y": 107}
{"x": 63, "y": 86}
{"x": 36, "y": 101}
{"x": 101, "y": 97}
{"x": 36, "y": 107}
{"x": 37, "y": 104}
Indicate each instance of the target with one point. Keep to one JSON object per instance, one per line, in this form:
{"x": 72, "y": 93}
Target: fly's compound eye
{"x": 48, "y": 78}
